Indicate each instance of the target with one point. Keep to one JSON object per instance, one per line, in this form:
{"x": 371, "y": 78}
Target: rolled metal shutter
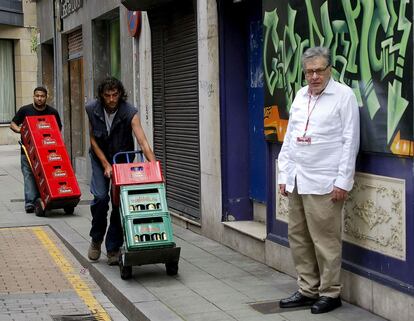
{"x": 175, "y": 103}
{"x": 75, "y": 45}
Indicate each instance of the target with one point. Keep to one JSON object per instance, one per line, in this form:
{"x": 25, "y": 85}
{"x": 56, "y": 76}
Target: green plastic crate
{"x": 144, "y": 198}
{"x": 145, "y": 226}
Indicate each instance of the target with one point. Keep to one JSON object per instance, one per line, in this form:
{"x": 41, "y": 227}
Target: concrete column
{"x": 143, "y": 71}
{"x": 210, "y": 162}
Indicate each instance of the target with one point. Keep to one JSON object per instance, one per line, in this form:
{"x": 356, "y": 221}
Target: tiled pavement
{"x": 40, "y": 278}
{"x": 214, "y": 283}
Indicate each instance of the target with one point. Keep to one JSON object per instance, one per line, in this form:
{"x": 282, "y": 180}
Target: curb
{"x": 121, "y": 302}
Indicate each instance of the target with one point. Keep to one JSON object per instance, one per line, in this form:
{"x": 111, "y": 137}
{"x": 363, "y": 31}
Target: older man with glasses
{"x": 316, "y": 172}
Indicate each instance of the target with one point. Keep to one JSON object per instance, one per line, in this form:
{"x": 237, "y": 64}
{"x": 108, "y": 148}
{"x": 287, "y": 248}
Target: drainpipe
{"x": 56, "y": 79}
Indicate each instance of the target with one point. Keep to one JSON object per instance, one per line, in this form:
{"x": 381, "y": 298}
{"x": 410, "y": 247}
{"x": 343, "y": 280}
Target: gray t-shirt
{"x": 109, "y": 118}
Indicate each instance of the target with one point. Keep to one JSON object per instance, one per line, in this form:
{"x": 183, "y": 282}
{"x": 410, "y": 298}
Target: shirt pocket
{"x": 99, "y": 133}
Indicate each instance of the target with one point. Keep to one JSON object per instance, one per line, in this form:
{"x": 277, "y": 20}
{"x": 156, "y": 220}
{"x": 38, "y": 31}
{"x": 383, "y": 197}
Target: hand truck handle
{"x": 128, "y": 153}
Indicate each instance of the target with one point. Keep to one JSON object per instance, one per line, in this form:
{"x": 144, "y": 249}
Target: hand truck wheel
{"x": 69, "y": 210}
{"x": 171, "y": 268}
{"x": 39, "y": 211}
{"x": 125, "y": 271}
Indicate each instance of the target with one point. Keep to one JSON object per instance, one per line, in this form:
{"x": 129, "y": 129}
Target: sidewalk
{"x": 214, "y": 283}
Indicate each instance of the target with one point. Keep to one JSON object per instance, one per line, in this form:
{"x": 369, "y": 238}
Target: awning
{"x": 11, "y": 13}
{"x": 143, "y": 5}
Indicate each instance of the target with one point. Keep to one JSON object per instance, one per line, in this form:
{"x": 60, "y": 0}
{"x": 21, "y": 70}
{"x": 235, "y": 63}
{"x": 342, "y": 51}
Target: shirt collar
{"x": 329, "y": 89}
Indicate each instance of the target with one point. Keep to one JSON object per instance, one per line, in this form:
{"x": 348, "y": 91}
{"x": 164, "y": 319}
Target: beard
{"x": 39, "y": 106}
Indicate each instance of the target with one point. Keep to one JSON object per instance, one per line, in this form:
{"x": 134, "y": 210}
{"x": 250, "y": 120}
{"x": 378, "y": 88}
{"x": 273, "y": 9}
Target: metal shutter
{"x": 75, "y": 45}
{"x": 175, "y": 103}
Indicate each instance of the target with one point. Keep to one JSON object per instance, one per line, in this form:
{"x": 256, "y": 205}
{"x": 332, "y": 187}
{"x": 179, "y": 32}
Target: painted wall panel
{"x": 233, "y": 35}
{"x": 371, "y": 46}
{"x": 257, "y": 150}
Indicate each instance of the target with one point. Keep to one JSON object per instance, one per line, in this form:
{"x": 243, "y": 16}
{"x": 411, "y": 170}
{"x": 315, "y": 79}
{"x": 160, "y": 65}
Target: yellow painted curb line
{"x": 77, "y": 283}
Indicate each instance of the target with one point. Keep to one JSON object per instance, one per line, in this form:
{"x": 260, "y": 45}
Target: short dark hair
{"x": 315, "y": 52}
{"x": 40, "y": 88}
{"x": 111, "y": 83}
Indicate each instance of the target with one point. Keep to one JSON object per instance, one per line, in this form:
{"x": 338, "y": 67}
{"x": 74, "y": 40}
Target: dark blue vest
{"x": 120, "y": 137}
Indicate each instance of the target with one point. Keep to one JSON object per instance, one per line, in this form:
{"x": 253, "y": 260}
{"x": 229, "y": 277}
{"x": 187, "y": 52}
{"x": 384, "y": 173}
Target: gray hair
{"x": 316, "y": 52}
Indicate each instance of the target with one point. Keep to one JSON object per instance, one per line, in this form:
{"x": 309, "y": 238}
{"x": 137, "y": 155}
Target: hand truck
{"x": 148, "y": 238}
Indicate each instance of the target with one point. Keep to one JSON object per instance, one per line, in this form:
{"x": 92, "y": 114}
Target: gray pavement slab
{"x": 214, "y": 283}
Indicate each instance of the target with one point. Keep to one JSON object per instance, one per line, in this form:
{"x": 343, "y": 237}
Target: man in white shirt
{"x": 316, "y": 172}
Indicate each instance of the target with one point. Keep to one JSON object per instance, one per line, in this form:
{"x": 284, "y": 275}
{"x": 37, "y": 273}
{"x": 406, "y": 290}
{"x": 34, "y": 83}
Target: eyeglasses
{"x": 320, "y": 71}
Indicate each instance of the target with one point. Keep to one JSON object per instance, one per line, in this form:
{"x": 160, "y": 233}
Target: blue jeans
{"x": 31, "y": 193}
{"x": 100, "y": 188}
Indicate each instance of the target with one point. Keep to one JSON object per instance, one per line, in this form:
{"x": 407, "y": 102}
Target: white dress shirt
{"x": 333, "y": 128}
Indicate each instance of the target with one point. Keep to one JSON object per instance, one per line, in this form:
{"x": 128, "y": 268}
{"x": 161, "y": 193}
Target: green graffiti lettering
{"x": 372, "y": 38}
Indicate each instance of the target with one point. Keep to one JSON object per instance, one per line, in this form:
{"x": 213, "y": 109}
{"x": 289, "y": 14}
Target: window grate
{"x": 78, "y": 317}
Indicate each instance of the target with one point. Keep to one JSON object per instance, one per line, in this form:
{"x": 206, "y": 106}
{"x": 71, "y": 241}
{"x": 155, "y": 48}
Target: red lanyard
{"x": 310, "y": 112}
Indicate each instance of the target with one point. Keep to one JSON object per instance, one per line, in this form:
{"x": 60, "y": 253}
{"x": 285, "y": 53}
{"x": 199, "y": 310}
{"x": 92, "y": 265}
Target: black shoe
{"x": 325, "y": 304}
{"x": 297, "y": 299}
{"x": 29, "y": 208}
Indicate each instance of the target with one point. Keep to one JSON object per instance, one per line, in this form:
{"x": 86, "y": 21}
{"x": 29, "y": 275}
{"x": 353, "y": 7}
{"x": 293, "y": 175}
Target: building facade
{"x": 18, "y": 61}
{"x": 206, "y": 76}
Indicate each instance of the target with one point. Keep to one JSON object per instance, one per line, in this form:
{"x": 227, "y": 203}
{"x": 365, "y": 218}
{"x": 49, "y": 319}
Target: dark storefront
{"x": 175, "y": 99}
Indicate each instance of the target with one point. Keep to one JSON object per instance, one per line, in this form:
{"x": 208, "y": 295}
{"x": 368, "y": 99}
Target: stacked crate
{"x": 145, "y": 217}
{"x": 50, "y": 162}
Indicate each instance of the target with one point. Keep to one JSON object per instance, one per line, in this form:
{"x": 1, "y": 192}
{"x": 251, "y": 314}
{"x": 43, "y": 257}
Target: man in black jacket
{"x": 111, "y": 124}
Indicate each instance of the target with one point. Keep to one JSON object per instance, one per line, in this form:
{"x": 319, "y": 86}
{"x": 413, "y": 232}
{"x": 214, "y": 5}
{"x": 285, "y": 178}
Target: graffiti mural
{"x": 371, "y": 46}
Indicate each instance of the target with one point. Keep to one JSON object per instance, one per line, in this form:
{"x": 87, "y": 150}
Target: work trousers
{"x": 31, "y": 193}
{"x": 315, "y": 224}
{"x": 100, "y": 188}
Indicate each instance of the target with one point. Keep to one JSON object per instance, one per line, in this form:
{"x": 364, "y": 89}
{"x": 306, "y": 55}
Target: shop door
{"x": 76, "y": 108}
{"x": 175, "y": 104}
{"x": 74, "y": 112}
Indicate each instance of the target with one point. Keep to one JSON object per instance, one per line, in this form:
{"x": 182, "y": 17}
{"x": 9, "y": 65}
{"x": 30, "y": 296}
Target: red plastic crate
{"x": 33, "y": 125}
{"x": 40, "y": 131}
{"x": 61, "y": 170}
{"x": 136, "y": 173}
{"x": 51, "y": 165}
{"x": 52, "y": 156}
{"x": 57, "y": 189}
{"x": 43, "y": 141}
{"x": 40, "y": 123}
{"x": 133, "y": 174}
{"x": 47, "y": 138}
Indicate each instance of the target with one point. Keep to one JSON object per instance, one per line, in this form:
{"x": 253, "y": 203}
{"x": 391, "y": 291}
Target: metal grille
{"x": 176, "y": 110}
{"x": 79, "y": 317}
{"x": 75, "y": 45}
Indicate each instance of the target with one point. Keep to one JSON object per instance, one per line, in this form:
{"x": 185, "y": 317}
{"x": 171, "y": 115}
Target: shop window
{"x": 7, "y": 94}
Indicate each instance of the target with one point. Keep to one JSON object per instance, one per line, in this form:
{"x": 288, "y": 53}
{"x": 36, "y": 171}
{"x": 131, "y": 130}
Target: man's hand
{"x": 14, "y": 127}
{"x": 339, "y": 194}
{"x": 108, "y": 170}
{"x": 282, "y": 188}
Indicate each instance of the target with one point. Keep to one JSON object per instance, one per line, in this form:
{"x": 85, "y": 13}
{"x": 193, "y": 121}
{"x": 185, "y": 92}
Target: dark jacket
{"x": 120, "y": 137}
